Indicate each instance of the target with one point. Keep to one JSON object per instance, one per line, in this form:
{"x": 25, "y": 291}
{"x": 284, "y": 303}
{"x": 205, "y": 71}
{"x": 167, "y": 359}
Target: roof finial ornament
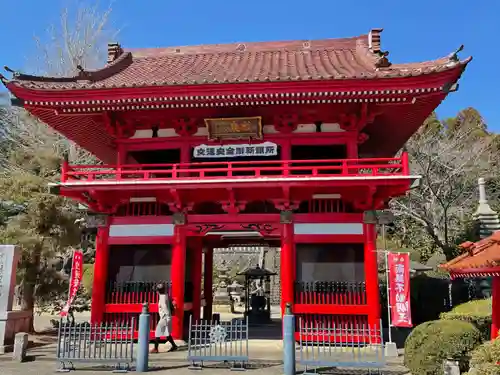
{"x": 114, "y": 51}
{"x": 454, "y": 55}
{"x": 486, "y": 218}
{"x": 374, "y": 40}
{"x": 9, "y": 69}
{"x": 15, "y": 73}
{"x": 374, "y": 44}
{"x": 383, "y": 61}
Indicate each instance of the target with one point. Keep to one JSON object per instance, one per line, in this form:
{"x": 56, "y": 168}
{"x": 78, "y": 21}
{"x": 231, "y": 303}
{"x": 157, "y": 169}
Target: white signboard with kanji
{"x": 235, "y": 151}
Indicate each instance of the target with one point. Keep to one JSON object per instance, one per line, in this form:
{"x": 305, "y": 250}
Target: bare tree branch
{"x": 78, "y": 39}
{"x": 450, "y": 158}
{"x": 44, "y": 226}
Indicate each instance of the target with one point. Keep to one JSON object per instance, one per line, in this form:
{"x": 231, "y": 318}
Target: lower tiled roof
{"x": 480, "y": 258}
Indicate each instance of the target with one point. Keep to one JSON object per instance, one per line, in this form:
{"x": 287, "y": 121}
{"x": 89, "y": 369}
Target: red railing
{"x": 143, "y": 209}
{"x": 335, "y": 328}
{"x": 239, "y": 169}
{"x": 330, "y": 293}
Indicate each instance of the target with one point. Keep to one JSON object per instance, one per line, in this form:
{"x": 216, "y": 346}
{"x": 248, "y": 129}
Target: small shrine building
{"x": 482, "y": 259}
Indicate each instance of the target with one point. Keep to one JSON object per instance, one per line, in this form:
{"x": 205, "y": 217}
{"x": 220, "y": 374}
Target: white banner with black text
{"x": 235, "y": 151}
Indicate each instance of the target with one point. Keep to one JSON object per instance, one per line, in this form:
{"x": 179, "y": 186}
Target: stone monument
{"x": 488, "y": 222}
{"x": 236, "y": 291}
{"x": 485, "y": 217}
{"x": 11, "y": 322}
{"x": 221, "y": 295}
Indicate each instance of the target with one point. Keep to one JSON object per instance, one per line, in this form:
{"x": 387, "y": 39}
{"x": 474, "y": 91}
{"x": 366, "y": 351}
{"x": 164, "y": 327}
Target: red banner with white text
{"x": 74, "y": 281}
{"x": 399, "y": 287}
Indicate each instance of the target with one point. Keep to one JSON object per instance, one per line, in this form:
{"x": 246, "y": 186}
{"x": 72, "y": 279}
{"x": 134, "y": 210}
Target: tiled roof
{"x": 329, "y": 59}
{"x": 480, "y": 258}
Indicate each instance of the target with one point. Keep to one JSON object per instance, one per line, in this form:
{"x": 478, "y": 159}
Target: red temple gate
{"x": 285, "y": 143}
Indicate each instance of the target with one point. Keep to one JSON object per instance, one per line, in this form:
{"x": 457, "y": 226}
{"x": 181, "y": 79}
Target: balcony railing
{"x": 137, "y": 292}
{"x": 239, "y": 170}
{"x": 330, "y": 293}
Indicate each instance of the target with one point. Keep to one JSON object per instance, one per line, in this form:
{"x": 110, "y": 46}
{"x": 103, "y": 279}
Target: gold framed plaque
{"x": 234, "y": 128}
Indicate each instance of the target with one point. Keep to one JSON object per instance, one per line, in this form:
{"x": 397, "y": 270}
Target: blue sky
{"x": 413, "y": 31}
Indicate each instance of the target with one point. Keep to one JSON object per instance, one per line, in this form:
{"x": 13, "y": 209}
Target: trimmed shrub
{"x": 476, "y": 312}
{"x": 485, "y": 359}
{"x": 431, "y": 343}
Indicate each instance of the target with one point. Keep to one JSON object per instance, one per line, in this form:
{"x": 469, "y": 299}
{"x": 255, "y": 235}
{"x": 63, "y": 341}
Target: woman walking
{"x": 164, "y": 326}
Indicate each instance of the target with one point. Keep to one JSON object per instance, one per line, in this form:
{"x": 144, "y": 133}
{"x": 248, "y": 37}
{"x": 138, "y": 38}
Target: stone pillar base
{"x": 222, "y": 308}
{"x": 391, "y": 350}
{"x": 20, "y": 347}
{"x": 12, "y": 322}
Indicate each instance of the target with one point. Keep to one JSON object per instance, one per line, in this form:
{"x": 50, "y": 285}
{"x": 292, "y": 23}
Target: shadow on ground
{"x": 347, "y": 371}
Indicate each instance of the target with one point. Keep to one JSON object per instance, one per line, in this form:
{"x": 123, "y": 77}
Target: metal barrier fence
{"x": 211, "y": 341}
{"x": 333, "y": 346}
{"x": 111, "y": 343}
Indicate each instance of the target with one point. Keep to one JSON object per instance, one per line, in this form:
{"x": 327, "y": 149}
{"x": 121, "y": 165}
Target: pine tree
{"x": 43, "y": 225}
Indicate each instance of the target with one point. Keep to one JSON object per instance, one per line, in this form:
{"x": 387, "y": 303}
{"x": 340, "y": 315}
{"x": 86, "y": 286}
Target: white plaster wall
{"x": 330, "y": 262}
{"x": 143, "y": 273}
{"x": 330, "y": 271}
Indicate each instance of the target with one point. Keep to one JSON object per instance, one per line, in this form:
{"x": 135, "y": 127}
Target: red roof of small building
{"x": 481, "y": 258}
{"x": 304, "y": 60}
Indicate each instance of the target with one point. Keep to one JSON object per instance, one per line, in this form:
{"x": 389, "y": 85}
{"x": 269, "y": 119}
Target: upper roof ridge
{"x": 359, "y": 57}
{"x": 247, "y": 47}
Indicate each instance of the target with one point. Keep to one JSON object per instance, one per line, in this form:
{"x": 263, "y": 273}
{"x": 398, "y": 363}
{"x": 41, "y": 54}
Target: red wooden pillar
{"x": 207, "y": 283}
{"x": 371, "y": 274}
{"x": 286, "y": 155}
{"x": 352, "y": 148}
{"x": 100, "y": 275}
{"x": 287, "y": 261}
{"x": 178, "y": 273}
{"x": 121, "y": 157}
{"x": 495, "y": 308}
{"x": 197, "y": 260}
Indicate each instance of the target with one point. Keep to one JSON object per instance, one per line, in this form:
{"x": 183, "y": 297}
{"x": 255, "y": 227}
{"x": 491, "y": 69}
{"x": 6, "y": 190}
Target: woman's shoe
{"x": 173, "y": 348}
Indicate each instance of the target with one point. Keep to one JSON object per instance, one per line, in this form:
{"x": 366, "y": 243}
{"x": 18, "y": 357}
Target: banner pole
{"x": 389, "y": 307}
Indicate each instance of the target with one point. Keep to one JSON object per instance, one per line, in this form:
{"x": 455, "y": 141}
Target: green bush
{"x": 485, "y": 359}
{"x": 476, "y": 312}
{"x": 431, "y": 343}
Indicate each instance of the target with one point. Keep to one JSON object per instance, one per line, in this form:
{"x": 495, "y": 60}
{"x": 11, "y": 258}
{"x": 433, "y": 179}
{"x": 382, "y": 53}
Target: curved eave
{"x": 364, "y": 85}
{"x": 472, "y": 272}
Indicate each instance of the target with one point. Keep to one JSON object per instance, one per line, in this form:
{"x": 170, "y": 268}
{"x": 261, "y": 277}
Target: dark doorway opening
{"x": 151, "y": 158}
{"x": 315, "y": 152}
{"x": 169, "y": 156}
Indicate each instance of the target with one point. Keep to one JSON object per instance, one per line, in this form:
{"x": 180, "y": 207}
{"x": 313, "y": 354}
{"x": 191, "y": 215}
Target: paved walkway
{"x": 265, "y": 358}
